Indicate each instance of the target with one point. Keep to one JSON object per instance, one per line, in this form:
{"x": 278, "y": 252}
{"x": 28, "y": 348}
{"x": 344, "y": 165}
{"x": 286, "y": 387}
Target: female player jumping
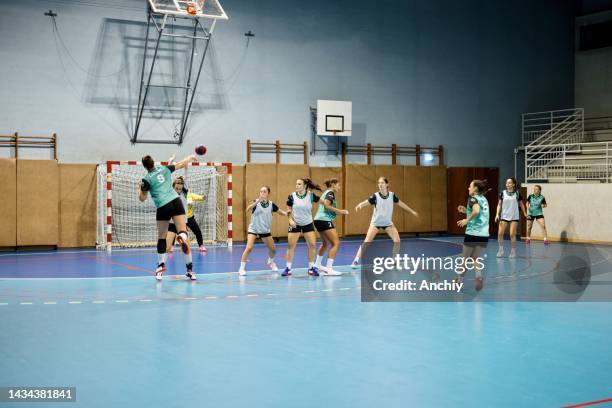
{"x": 300, "y": 222}
{"x": 262, "y": 210}
{"x": 508, "y": 214}
{"x": 535, "y": 203}
{"x": 477, "y": 228}
{"x": 188, "y": 198}
{"x": 323, "y": 222}
{"x": 382, "y": 218}
{"x": 158, "y": 182}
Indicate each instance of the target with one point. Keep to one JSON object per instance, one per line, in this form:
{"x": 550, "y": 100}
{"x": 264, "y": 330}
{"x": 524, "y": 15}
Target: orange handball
{"x": 191, "y": 9}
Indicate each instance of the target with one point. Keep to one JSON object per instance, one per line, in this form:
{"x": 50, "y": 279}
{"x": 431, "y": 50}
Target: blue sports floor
{"x": 101, "y": 323}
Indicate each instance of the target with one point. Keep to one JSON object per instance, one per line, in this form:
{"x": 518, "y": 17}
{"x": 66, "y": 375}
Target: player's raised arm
{"x": 184, "y": 162}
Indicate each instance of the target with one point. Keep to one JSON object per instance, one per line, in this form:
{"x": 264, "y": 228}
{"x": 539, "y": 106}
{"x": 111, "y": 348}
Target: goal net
{"x": 125, "y": 221}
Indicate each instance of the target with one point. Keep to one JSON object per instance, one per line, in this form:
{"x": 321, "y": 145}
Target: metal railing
{"x": 573, "y": 162}
{"x": 544, "y": 127}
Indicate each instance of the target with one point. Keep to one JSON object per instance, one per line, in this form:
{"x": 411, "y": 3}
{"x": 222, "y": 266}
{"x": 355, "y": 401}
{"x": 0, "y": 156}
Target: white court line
{"x": 326, "y": 290}
{"x": 271, "y": 294}
{"x": 210, "y": 297}
{"x": 50, "y": 303}
{"x": 252, "y": 295}
{"x": 121, "y": 301}
{"x": 25, "y": 303}
{"x": 345, "y": 288}
{"x": 144, "y": 300}
{"x": 190, "y": 298}
{"x": 74, "y": 303}
{"x": 309, "y": 291}
{"x": 98, "y": 301}
{"x": 231, "y": 296}
{"x": 3, "y": 304}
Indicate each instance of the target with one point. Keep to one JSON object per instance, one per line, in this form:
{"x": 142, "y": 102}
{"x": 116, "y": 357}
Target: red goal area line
{"x": 589, "y": 404}
{"x": 109, "y": 193}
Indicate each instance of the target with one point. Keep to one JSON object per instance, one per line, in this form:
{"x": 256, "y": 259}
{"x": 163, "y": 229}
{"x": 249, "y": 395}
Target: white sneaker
{"x": 272, "y": 266}
{"x": 500, "y": 252}
{"x": 330, "y": 272}
{"x": 202, "y": 248}
{"x": 355, "y": 264}
{"x": 512, "y": 253}
{"x": 242, "y": 272}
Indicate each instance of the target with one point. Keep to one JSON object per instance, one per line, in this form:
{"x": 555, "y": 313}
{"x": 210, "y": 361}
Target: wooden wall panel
{"x": 77, "y": 205}
{"x": 37, "y": 202}
{"x": 8, "y": 203}
{"x": 287, "y": 174}
{"x": 238, "y": 216}
{"x": 361, "y": 183}
{"x": 257, "y": 175}
{"x": 395, "y": 175}
{"x": 319, "y": 175}
{"x": 417, "y": 185}
{"x": 438, "y": 199}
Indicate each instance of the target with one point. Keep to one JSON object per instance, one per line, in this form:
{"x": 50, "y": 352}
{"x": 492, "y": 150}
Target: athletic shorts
{"x": 534, "y": 217}
{"x": 302, "y": 228}
{"x": 509, "y": 221}
{"x": 322, "y": 225}
{"x": 475, "y": 240}
{"x": 383, "y": 227}
{"x": 265, "y": 235}
{"x": 167, "y": 211}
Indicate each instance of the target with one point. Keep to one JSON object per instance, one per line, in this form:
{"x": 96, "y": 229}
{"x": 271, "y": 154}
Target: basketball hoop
{"x": 191, "y": 9}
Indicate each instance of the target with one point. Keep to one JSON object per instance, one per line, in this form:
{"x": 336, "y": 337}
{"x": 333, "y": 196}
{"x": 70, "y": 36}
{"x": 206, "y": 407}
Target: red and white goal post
{"x": 124, "y": 221}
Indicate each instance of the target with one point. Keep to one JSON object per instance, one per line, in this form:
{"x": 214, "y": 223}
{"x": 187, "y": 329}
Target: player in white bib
{"x": 261, "y": 210}
{"x": 510, "y": 201}
{"x": 300, "y": 205}
{"x": 382, "y": 218}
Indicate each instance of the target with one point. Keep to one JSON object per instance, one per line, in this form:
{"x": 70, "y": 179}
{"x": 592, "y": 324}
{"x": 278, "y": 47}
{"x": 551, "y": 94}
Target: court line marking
{"x": 74, "y": 303}
{"x": 190, "y": 298}
{"x": 50, "y": 303}
{"x": 145, "y": 300}
{"x": 25, "y": 303}
{"x": 589, "y": 404}
{"x": 121, "y": 301}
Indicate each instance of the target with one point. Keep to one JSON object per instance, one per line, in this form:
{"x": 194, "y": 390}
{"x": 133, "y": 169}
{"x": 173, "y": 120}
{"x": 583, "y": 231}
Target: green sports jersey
{"x": 535, "y": 204}
{"x": 323, "y": 214}
{"x": 479, "y": 225}
{"x": 158, "y": 182}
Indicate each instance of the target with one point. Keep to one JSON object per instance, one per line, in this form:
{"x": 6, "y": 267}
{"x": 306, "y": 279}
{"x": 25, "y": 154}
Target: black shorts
{"x": 534, "y": 217}
{"x": 167, "y": 211}
{"x": 509, "y": 221}
{"x": 322, "y": 225}
{"x": 383, "y": 227}
{"x": 266, "y": 235}
{"x": 172, "y": 228}
{"x": 475, "y": 240}
{"x": 302, "y": 228}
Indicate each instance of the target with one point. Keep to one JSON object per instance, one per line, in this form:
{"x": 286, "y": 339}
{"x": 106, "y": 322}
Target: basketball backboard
{"x": 334, "y": 118}
{"x": 202, "y": 8}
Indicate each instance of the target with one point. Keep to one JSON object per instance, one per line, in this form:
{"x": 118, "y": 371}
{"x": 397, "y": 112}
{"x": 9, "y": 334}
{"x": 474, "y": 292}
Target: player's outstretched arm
{"x": 405, "y": 207}
{"x": 183, "y": 163}
{"x": 361, "y": 205}
{"x": 329, "y": 207}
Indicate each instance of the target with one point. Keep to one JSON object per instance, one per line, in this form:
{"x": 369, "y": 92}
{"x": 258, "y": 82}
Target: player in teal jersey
{"x": 158, "y": 182}
{"x": 535, "y": 203}
{"x": 323, "y": 221}
{"x": 476, "y": 226}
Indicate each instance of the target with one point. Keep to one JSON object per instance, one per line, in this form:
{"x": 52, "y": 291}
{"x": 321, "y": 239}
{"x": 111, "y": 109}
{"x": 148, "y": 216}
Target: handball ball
{"x": 200, "y": 150}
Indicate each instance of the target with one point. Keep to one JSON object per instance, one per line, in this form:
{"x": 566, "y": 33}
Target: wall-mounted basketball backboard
{"x": 195, "y": 8}
{"x": 334, "y": 118}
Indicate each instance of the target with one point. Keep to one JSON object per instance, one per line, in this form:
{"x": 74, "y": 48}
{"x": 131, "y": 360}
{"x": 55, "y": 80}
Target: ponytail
{"x": 311, "y": 185}
{"x": 481, "y": 185}
{"x": 330, "y": 182}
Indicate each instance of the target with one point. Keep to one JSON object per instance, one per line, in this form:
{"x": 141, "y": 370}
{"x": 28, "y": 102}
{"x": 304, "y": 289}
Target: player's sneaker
{"x": 159, "y": 271}
{"x": 500, "y": 252}
{"x": 512, "y": 253}
{"x": 286, "y": 272}
{"x": 355, "y": 264}
{"x": 272, "y": 265}
{"x": 190, "y": 273}
{"x": 313, "y": 271}
{"x": 202, "y": 248}
{"x": 184, "y": 244}
{"x": 528, "y": 241}
{"x": 546, "y": 241}
{"x": 330, "y": 272}
{"x": 241, "y": 272}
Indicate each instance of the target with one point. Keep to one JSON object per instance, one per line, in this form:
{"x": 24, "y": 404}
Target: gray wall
{"x": 594, "y": 69}
{"x": 445, "y": 72}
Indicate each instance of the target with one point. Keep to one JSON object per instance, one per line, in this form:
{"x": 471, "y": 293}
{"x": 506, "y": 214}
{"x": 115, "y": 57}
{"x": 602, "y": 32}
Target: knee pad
{"x": 161, "y": 246}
